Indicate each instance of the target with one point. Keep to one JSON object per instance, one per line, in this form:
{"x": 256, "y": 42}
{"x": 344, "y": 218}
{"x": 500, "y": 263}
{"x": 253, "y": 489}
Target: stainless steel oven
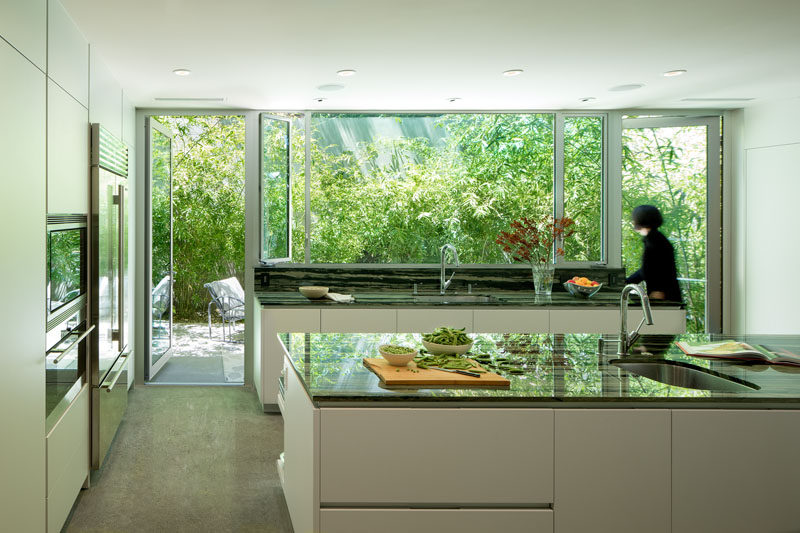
{"x": 66, "y": 266}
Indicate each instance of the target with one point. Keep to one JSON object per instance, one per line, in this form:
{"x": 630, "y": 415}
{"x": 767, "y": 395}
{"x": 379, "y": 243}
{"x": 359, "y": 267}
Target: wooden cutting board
{"x": 427, "y": 377}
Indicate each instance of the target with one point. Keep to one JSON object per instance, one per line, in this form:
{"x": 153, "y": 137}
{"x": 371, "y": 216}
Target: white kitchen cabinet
{"x": 612, "y": 471}
{"x": 425, "y": 320}
{"x": 22, "y": 268}
{"x": 665, "y": 321}
{"x": 67, "y": 53}
{"x": 23, "y": 23}
{"x": 499, "y": 320}
{"x": 735, "y": 471}
{"x": 67, "y": 153}
{"x": 274, "y": 321}
{"x": 584, "y": 320}
{"x": 105, "y": 95}
{"x": 300, "y": 466}
{"x": 436, "y": 457}
{"x": 67, "y": 460}
{"x": 436, "y": 520}
{"x": 358, "y": 320}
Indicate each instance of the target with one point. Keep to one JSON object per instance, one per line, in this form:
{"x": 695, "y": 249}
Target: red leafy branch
{"x": 531, "y": 240}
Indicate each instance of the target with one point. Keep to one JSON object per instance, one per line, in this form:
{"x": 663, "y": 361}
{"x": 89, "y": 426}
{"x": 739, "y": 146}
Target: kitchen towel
{"x": 340, "y": 298}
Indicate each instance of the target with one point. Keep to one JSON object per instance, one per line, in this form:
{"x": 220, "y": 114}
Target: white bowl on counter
{"x": 455, "y": 349}
{"x": 313, "y": 292}
{"x": 397, "y": 359}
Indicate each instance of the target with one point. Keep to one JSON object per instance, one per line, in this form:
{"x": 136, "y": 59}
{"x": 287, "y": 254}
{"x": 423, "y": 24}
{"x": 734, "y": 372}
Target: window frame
{"x": 262, "y": 259}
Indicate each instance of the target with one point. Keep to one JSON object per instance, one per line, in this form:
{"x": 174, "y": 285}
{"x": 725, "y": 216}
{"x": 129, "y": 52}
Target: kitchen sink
{"x": 680, "y": 374}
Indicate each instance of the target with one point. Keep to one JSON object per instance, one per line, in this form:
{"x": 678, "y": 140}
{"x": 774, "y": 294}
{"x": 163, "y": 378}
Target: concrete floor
{"x": 188, "y": 459}
{"x": 192, "y": 350}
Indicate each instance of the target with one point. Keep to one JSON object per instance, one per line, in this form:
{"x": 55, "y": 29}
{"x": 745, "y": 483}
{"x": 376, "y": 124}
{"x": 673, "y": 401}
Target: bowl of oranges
{"x": 582, "y": 287}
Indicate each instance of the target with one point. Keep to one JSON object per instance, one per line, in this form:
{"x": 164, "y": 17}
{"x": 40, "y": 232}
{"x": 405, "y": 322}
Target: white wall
{"x": 766, "y": 255}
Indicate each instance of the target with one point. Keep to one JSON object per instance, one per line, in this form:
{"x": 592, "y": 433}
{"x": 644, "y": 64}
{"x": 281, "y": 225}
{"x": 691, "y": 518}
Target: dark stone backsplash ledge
{"x": 387, "y": 278}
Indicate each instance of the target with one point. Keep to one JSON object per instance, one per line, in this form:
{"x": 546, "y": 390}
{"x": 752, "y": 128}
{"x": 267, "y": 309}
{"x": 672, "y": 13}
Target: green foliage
{"x": 666, "y": 167}
{"x": 208, "y": 208}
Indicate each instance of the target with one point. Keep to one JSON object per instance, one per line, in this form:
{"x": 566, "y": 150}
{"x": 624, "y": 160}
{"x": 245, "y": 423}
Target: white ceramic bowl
{"x": 437, "y": 349}
{"x": 312, "y": 292}
{"x": 397, "y": 359}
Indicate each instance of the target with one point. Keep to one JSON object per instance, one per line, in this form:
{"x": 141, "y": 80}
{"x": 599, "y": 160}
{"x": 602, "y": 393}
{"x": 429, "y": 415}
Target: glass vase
{"x": 543, "y": 279}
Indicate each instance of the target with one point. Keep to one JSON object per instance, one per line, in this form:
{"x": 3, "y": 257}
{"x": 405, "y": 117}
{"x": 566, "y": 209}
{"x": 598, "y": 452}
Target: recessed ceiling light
{"x": 627, "y": 87}
{"x": 331, "y": 87}
{"x": 513, "y": 72}
{"x": 346, "y": 72}
{"x": 319, "y": 99}
{"x": 453, "y": 99}
{"x": 588, "y": 99}
{"x": 181, "y": 71}
{"x": 676, "y": 72}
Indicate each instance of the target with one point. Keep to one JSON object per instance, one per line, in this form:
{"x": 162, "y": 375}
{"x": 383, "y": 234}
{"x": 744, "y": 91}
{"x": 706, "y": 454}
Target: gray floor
{"x": 198, "y": 358}
{"x": 193, "y": 459}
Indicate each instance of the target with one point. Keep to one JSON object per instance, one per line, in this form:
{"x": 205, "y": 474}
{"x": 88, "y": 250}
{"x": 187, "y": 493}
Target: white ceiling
{"x": 415, "y": 54}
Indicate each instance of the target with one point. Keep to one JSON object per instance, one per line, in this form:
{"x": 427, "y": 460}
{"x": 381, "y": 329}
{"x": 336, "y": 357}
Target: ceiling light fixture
{"x": 330, "y": 87}
{"x": 181, "y": 71}
{"x": 346, "y": 72}
{"x": 626, "y": 87}
{"x": 587, "y": 99}
{"x": 513, "y": 72}
{"x": 453, "y": 99}
{"x": 676, "y": 72}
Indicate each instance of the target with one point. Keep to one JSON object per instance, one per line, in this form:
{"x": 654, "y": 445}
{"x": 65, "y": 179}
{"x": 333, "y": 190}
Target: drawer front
{"x": 436, "y": 520}
{"x": 67, "y": 460}
{"x": 395, "y": 456}
{"x": 425, "y": 320}
{"x": 359, "y": 320}
{"x": 585, "y": 321}
{"x": 512, "y": 321}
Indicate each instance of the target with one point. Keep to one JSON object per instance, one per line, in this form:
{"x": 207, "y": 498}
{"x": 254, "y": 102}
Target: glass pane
{"x": 108, "y": 254}
{"x": 161, "y": 155}
{"x": 275, "y": 189}
{"x": 395, "y": 188}
{"x": 583, "y": 187}
{"x": 666, "y": 167}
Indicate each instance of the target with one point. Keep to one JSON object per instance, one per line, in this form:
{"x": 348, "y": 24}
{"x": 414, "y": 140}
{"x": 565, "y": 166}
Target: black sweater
{"x": 658, "y": 266}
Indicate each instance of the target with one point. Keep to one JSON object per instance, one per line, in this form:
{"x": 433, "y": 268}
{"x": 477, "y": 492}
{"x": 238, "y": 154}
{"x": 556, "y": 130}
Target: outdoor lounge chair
{"x": 228, "y": 296}
{"x": 161, "y": 295}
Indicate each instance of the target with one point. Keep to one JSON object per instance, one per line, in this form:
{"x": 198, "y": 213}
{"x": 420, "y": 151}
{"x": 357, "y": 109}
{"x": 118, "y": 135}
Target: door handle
{"x": 116, "y": 377}
{"x": 71, "y": 346}
{"x": 121, "y": 258}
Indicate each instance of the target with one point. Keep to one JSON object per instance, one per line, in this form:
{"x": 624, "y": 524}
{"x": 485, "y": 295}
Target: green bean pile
{"x": 451, "y": 362}
{"x": 397, "y": 350}
{"x": 448, "y": 336}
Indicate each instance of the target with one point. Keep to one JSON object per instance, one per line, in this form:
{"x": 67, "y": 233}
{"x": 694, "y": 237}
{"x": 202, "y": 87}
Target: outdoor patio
{"x": 198, "y": 359}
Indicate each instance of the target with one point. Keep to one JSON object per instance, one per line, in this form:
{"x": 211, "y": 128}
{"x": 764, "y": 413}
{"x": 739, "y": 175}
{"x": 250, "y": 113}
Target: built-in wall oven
{"x": 66, "y": 310}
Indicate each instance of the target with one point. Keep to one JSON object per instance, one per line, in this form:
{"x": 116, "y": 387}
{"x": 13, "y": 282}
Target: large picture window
{"x": 392, "y": 188}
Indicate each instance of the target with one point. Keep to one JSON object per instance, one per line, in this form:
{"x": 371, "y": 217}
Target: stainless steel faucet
{"x": 626, "y": 339}
{"x": 443, "y": 253}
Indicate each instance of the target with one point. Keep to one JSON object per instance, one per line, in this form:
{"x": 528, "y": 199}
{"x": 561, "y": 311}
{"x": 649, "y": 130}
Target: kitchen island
{"x": 578, "y": 442}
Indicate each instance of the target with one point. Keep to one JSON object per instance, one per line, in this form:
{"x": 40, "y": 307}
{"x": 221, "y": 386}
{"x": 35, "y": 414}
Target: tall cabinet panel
{"x": 67, "y": 153}
{"x": 22, "y": 214}
{"x": 23, "y": 23}
{"x": 105, "y": 95}
{"x": 67, "y": 54}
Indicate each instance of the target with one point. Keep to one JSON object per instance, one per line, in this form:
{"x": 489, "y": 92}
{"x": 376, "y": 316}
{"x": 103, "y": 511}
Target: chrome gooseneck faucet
{"x": 443, "y": 253}
{"x": 626, "y": 339}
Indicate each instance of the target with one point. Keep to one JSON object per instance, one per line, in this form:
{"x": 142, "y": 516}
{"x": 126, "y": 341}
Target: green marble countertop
{"x": 604, "y": 298}
{"x": 545, "y": 371}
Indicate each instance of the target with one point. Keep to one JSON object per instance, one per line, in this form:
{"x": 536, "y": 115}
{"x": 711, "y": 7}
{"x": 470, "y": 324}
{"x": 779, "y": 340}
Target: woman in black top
{"x": 658, "y": 257}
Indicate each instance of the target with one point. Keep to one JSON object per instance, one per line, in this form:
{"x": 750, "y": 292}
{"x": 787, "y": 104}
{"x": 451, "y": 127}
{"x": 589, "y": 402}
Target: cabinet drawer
{"x": 512, "y": 321}
{"x": 494, "y": 456}
{"x": 435, "y": 520}
{"x": 585, "y": 321}
{"x": 358, "y": 320}
{"x": 425, "y": 320}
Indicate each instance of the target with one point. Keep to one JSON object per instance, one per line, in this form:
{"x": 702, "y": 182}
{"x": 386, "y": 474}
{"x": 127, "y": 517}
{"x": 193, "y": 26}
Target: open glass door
{"x": 276, "y": 192}
{"x": 674, "y": 164}
{"x": 160, "y": 270}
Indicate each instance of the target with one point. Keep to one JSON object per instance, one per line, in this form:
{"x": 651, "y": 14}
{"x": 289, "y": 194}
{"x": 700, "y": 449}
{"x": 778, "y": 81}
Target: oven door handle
{"x": 71, "y": 346}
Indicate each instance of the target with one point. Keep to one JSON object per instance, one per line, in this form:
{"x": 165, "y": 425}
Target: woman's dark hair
{"x": 646, "y": 216}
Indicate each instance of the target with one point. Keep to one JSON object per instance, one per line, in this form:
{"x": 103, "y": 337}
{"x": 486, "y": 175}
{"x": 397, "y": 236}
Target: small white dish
{"x": 397, "y": 359}
{"x": 313, "y": 292}
{"x": 437, "y": 349}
